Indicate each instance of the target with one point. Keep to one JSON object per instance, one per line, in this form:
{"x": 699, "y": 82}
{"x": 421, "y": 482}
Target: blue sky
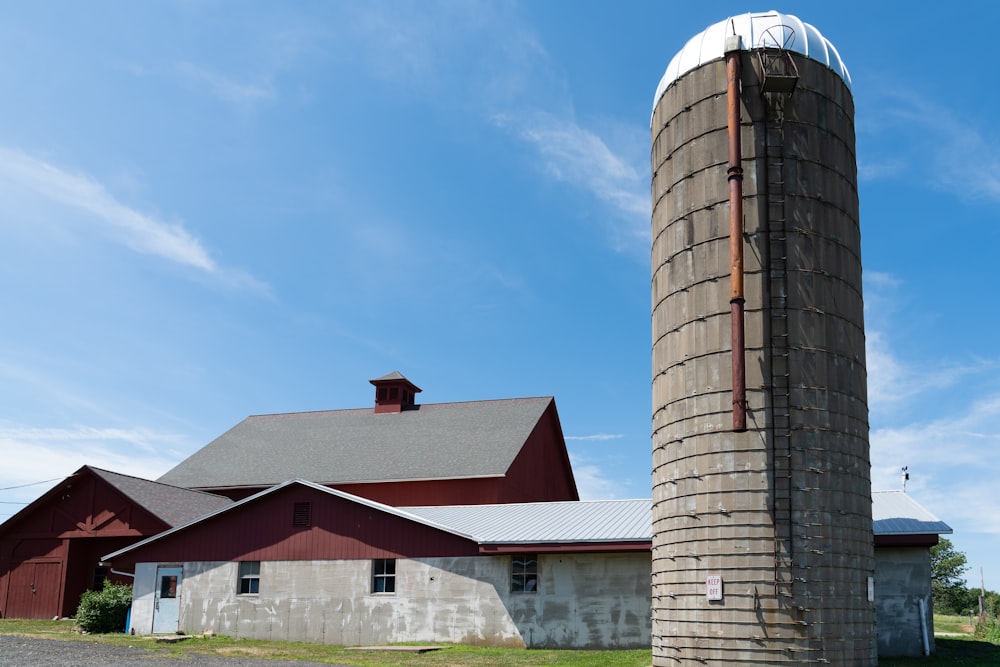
{"x": 216, "y": 209}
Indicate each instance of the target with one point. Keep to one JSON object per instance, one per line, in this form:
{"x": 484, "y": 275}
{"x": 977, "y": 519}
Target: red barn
{"x": 50, "y": 551}
{"x": 397, "y": 453}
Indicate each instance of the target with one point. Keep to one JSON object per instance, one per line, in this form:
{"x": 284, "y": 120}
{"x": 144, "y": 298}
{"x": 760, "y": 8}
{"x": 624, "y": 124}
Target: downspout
{"x": 735, "y": 177}
{"x": 922, "y": 602}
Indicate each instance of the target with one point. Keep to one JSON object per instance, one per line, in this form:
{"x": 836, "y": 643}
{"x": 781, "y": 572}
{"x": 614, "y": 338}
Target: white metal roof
{"x": 554, "y": 522}
{"x": 757, "y": 30}
{"x": 896, "y": 513}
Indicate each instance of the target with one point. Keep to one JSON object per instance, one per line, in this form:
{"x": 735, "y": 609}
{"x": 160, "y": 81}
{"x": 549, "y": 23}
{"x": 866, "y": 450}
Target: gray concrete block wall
{"x": 582, "y": 601}
{"x": 902, "y": 579}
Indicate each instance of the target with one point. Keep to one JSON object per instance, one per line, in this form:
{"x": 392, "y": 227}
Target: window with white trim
{"x": 524, "y": 573}
{"x": 384, "y": 575}
{"x": 248, "y": 579}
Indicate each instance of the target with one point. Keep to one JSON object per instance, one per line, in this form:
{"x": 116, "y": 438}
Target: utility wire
{"x": 21, "y": 486}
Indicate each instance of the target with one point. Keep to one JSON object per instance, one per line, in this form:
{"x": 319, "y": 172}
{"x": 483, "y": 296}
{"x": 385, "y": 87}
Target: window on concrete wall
{"x": 249, "y": 577}
{"x": 524, "y": 573}
{"x": 384, "y": 575}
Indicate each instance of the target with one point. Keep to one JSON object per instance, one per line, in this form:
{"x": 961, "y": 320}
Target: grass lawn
{"x": 951, "y": 651}
{"x": 450, "y": 656}
{"x": 953, "y": 624}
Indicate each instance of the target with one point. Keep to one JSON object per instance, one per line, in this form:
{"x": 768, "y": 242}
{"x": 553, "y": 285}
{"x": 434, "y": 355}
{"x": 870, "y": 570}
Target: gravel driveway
{"x": 27, "y": 652}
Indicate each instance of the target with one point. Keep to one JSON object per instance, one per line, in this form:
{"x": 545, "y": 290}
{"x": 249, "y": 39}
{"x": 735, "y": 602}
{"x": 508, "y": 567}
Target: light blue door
{"x": 166, "y": 611}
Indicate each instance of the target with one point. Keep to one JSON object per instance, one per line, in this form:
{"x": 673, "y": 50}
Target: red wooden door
{"x": 34, "y": 590}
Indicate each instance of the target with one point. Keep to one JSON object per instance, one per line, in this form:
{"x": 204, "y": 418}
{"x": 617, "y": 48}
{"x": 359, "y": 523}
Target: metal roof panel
{"x": 895, "y": 513}
{"x": 569, "y": 521}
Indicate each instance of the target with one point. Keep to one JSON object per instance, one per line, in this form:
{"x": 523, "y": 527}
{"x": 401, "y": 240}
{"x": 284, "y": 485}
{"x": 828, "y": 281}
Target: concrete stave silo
{"x": 781, "y": 511}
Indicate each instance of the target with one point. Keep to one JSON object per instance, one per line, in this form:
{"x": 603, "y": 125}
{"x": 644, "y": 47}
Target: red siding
{"x": 262, "y": 530}
{"x": 34, "y": 589}
{"x": 479, "y": 491}
{"x": 474, "y": 491}
{"x": 82, "y": 563}
{"x": 928, "y": 540}
{"x": 541, "y": 471}
{"x": 63, "y": 534}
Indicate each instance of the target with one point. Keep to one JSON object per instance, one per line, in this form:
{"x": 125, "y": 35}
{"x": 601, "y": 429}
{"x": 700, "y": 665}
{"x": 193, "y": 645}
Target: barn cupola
{"x": 394, "y": 393}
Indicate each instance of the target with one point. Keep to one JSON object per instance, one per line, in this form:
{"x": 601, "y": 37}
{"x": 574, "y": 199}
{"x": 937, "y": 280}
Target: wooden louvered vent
{"x": 302, "y": 514}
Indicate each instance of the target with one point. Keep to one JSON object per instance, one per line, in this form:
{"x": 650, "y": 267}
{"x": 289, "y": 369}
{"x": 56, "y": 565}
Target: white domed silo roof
{"x": 757, "y": 29}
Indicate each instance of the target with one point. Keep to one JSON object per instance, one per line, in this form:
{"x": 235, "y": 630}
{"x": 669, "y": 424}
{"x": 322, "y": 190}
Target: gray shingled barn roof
{"x": 434, "y": 441}
{"x": 174, "y": 505}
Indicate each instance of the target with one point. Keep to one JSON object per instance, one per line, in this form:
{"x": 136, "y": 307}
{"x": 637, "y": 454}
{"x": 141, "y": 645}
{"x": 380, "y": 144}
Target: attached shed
{"x": 399, "y": 452}
{"x": 307, "y": 563}
{"x": 50, "y": 551}
{"x": 904, "y": 534}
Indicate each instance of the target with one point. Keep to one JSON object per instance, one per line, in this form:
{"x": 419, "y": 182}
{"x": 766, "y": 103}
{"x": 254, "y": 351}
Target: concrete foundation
{"x": 582, "y": 601}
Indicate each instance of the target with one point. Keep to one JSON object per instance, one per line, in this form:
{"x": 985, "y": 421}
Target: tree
{"x": 947, "y": 583}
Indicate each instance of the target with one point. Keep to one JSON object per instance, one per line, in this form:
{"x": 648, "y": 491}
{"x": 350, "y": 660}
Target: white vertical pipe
{"x": 923, "y": 625}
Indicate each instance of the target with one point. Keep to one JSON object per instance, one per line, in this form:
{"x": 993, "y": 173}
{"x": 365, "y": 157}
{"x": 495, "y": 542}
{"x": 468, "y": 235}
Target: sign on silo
{"x": 713, "y": 587}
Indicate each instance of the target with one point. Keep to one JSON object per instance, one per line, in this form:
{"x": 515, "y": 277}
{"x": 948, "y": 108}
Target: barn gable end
{"x": 50, "y": 550}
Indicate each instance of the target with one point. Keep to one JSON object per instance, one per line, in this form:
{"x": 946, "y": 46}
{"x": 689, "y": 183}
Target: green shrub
{"x": 988, "y": 628}
{"x": 106, "y": 610}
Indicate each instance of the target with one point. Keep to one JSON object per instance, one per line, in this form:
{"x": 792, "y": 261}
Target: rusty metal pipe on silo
{"x": 735, "y": 176}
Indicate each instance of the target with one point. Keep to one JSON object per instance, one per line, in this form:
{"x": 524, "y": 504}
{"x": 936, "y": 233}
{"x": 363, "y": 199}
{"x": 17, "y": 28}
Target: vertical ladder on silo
{"x": 784, "y": 575}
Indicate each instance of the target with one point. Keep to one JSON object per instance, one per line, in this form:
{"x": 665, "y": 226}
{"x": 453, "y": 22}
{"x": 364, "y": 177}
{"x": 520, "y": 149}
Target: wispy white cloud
{"x": 891, "y": 379}
{"x": 873, "y": 170}
{"x": 517, "y": 86}
{"x": 224, "y": 87}
{"x": 596, "y": 437}
{"x": 139, "y": 231}
{"x": 32, "y": 454}
{"x": 952, "y": 460}
{"x": 951, "y": 448}
{"x": 577, "y": 156}
{"x": 947, "y": 151}
{"x": 592, "y": 483}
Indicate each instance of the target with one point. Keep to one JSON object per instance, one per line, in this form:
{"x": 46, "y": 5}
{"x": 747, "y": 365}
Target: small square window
{"x": 168, "y": 586}
{"x": 249, "y": 577}
{"x": 384, "y": 575}
{"x": 524, "y": 574}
